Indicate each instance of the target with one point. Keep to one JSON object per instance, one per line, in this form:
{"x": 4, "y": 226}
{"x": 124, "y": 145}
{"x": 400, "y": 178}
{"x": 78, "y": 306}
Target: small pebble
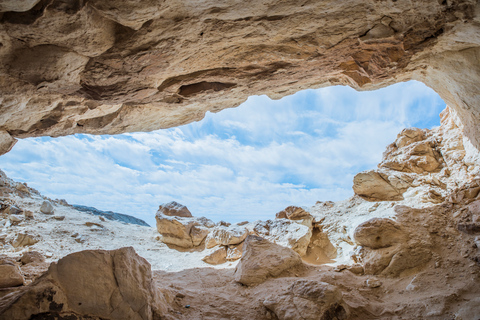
{"x": 187, "y": 306}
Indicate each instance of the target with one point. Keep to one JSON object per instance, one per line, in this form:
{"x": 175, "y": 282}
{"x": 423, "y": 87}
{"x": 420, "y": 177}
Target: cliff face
{"x": 106, "y": 67}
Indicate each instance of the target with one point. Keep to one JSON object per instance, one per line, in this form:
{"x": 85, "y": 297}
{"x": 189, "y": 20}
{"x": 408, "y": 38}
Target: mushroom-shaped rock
{"x": 262, "y": 259}
{"x": 46, "y": 207}
{"x": 174, "y": 209}
{"x": 225, "y": 236}
{"x": 309, "y": 300}
{"x": 379, "y": 233}
{"x": 10, "y": 276}
{"x": 95, "y": 284}
{"x": 286, "y": 233}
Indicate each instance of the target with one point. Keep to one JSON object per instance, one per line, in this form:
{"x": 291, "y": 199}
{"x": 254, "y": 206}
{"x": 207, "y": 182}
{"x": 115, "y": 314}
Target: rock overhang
{"x": 108, "y": 67}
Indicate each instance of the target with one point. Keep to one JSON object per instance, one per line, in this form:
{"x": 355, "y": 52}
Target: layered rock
{"x": 109, "y": 67}
{"x": 102, "y": 284}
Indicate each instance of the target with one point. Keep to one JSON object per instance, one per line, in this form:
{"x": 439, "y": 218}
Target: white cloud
{"x": 245, "y": 163}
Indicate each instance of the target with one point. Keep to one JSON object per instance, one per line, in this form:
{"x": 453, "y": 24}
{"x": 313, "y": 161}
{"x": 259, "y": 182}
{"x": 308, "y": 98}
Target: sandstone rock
{"x": 226, "y": 236}
{"x": 263, "y": 259}
{"x": 293, "y": 213}
{"x": 28, "y": 214}
{"x": 23, "y": 240}
{"x": 408, "y": 136}
{"x": 234, "y": 252}
{"x": 285, "y": 233}
{"x": 373, "y": 283}
{"x": 6, "y": 140}
{"x": 110, "y": 67}
{"x": 10, "y": 276}
{"x": 174, "y": 209}
{"x": 31, "y": 257}
{"x": 182, "y": 232}
{"x": 469, "y": 310}
{"x": 224, "y": 223}
{"x": 379, "y": 233}
{"x": 59, "y": 218}
{"x": 216, "y": 257}
{"x": 374, "y": 185}
{"x": 46, "y": 207}
{"x": 308, "y": 299}
{"x": 102, "y": 284}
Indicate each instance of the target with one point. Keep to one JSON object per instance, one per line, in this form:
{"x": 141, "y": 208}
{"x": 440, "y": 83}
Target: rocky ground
{"x": 406, "y": 246}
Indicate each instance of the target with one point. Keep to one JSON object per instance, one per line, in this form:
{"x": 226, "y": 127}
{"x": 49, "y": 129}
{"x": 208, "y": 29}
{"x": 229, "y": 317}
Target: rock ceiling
{"x": 114, "y": 66}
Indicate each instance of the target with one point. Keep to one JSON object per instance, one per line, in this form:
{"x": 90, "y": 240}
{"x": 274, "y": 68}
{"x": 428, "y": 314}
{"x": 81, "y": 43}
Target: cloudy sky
{"x": 240, "y": 164}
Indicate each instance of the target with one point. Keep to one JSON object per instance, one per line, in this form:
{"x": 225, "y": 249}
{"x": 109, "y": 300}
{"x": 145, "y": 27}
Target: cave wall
{"x": 114, "y": 66}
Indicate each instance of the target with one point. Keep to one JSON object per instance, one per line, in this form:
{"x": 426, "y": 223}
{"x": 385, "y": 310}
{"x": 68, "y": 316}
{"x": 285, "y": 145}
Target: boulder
{"x": 174, "y": 209}
{"x": 262, "y": 259}
{"x": 234, "y": 252}
{"x": 293, "y": 213}
{"x": 24, "y": 239}
{"x": 216, "y": 257}
{"x": 32, "y": 257}
{"x": 286, "y": 233}
{"x": 91, "y": 284}
{"x": 309, "y": 300}
{"x": 379, "y": 233}
{"x": 376, "y": 185}
{"x": 181, "y": 231}
{"x": 10, "y": 276}
{"x": 14, "y": 210}
{"x": 225, "y": 236}
{"x": 6, "y": 140}
{"x": 46, "y": 207}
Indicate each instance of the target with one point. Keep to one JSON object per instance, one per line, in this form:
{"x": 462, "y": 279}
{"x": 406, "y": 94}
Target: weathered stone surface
{"x": 293, "y": 213}
{"x": 46, "y": 207}
{"x": 379, "y": 233}
{"x": 31, "y": 257}
{"x": 102, "y": 284}
{"x": 309, "y": 300}
{"x": 119, "y": 66}
{"x": 218, "y": 256}
{"x": 234, "y": 252}
{"x": 262, "y": 259}
{"x": 286, "y": 233}
{"x": 377, "y": 185}
{"x": 181, "y": 231}
{"x": 10, "y": 276}
{"x": 174, "y": 209}
{"x": 6, "y": 142}
{"x": 24, "y": 239}
{"x": 226, "y": 236}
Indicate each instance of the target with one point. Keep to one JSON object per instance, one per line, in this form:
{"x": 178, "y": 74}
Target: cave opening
{"x": 245, "y": 163}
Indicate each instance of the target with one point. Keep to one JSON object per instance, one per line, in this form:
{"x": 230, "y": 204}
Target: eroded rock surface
{"x": 109, "y": 67}
{"x": 262, "y": 259}
{"x": 102, "y": 284}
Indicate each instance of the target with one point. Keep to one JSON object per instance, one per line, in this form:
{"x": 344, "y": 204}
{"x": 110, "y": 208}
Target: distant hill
{"x": 111, "y": 215}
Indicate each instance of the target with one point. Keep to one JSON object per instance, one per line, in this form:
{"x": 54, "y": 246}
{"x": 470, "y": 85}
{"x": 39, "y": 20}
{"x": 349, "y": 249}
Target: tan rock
{"x": 182, "y": 232}
{"x": 234, "y": 252}
{"x": 113, "y": 284}
{"x": 24, "y": 239}
{"x": 116, "y": 66}
{"x": 32, "y": 257}
{"x": 225, "y": 236}
{"x": 10, "y": 276}
{"x": 379, "y": 233}
{"x": 6, "y": 140}
{"x": 374, "y": 185}
{"x": 174, "y": 209}
{"x": 263, "y": 259}
{"x": 216, "y": 257}
{"x": 308, "y": 299}
{"x": 286, "y": 233}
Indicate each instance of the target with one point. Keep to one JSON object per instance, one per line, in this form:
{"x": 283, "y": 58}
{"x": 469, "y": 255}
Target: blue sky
{"x": 244, "y": 163}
